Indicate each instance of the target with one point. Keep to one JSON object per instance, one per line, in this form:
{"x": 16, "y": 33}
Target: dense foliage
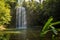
{"x": 51, "y": 8}
{"x": 4, "y": 13}
{"x": 49, "y": 27}
{"x": 33, "y": 11}
{"x": 38, "y": 13}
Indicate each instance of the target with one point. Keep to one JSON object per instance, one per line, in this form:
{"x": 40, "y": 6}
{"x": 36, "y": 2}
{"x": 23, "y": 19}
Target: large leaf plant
{"x": 49, "y": 26}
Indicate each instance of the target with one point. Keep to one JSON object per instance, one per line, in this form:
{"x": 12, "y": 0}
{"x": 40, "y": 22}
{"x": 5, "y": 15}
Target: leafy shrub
{"x": 4, "y": 13}
{"x": 49, "y": 26}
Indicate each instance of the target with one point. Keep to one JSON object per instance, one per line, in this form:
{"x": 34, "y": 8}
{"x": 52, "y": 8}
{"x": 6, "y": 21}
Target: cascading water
{"x": 21, "y": 18}
{"x": 21, "y": 22}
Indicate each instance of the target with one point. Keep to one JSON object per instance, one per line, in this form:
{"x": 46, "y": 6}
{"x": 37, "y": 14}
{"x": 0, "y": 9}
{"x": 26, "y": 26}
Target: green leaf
{"x": 58, "y": 29}
{"x": 53, "y": 37}
{"x": 5, "y": 16}
{"x": 46, "y": 26}
{"x": 54, "y": 30}
{"x": 44, "y": 33}
{"x": 55, "y": 23}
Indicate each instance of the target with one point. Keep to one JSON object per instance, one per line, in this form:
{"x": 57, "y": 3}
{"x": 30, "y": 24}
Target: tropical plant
{"x": 49, "y": 26}
{"x": 4, "y": 17}
{"x": 4, "y": 13}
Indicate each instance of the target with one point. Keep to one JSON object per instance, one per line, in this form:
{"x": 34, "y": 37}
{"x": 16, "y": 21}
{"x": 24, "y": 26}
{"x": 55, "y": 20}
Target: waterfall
{"x": 21, "y": 18}
{"x": 21, "y": 22}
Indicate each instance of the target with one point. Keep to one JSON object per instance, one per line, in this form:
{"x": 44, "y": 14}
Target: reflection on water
{"x": 27, "y": 34}
{"x": 18, "y": 36}
{"x": 30, "y": 34}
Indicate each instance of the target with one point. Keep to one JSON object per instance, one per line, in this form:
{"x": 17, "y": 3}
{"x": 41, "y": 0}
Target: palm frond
{"x": 55, "y": 23}
{"x": 46, "y": 26}
{"x": 53, "y": 29}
